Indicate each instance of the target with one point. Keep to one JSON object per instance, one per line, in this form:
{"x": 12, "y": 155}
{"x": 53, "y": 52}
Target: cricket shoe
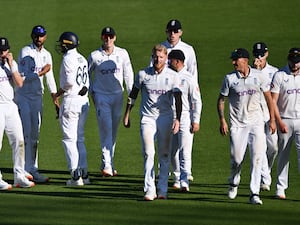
{"x": 185, "y": 189}
{"x": 106, "y": 173}
{"x": 265, "y": 187}
{"x": 150, "y": 196}
{"x": 39, "y": 178}
{"x": 176, "y": 185}
{"x": 280, "y": 195}
{"x": 28, "y": 176}
{"x": 86, "y": 180}
{"x": 162, "y": 195}
{"x": 23, "y": 182}
{"x": 255, "y": 200}
{"x": 232, "y": 192}
{"x": 72, "y": 182}
{"x": 190, "y": 178}
{"x": 115, "y": 173}
{"x": 4, "y": 185}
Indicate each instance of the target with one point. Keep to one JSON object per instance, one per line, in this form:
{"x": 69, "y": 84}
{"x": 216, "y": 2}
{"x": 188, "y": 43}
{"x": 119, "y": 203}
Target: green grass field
{"x": 214, "y": 28}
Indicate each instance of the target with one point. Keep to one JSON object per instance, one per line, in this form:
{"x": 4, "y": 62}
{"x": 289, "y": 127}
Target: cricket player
{"x": 109, "y": 68}
{"x": 190, "y": 119}
{"x": 243, "y": 88}
{"x": 158, "y": 85}
{"x": 74, "y": 84}
{"x": 35, "y": 63}
{"x": 285, "y": 90}
{"x": 261, "y": 53}
{"x": 174, "y": 33}
{"x": 10, "y": 121}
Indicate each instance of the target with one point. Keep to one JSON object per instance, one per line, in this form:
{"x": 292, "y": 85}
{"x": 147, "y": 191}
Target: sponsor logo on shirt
{"x": 246, "y": 92}
{"x": 293, "y": 91}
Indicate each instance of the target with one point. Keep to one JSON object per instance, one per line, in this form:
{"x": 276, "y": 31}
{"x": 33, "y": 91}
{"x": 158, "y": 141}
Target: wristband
{"x": 130, "y": 101}
{"x": 14, "y": 69}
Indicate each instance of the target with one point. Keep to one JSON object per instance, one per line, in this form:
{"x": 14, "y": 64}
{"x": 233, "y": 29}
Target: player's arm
{"x": 178, "y": 108}
{"x": 271, "y": 108}
{"x": 17, "y": 78}
{"x": 130, "y": 103}
{"x": 282, "y": 126}
{"x": 220, "y": 108}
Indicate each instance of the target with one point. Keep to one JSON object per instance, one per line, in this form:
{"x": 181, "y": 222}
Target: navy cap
{"x": 239, "y": 53}
{"x": 39, "y": 30}
{"x": 108, "y": 31}
{"x": 259, "y": 49}
{"x": 4, "y": 45}
{"x": 294, "y": 55}
{"x": 176, "y": 54}
{"x": 173, "y": 25}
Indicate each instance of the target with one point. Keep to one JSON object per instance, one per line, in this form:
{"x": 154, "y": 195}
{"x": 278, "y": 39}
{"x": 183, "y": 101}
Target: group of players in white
{"x": 170, "y": 109}
{"x": 264, "y": 114}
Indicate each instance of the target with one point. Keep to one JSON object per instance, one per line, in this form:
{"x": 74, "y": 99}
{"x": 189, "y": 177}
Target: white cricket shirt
{"x": 31, "y": 61}
{"x": 73, "y": 73}
{"x": 244, "y": 95}
{"x": 6, "y": 83}
{"x": 157, "y": 91}
{"x": 190, "y": 57}
{"x": 288, "y": 87}
{"x": 269, "y": 72}
{"x": 191, "y": 97}
{"x": 110, "y": 71}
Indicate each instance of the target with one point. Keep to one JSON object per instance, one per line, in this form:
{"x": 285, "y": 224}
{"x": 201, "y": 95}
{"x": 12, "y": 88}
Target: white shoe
{"x": 232, "y": 192}
{"x": 4, "y": 185}
{"x": 23, "y": 182}
{"x": 265, "y": 187}
{"x": 280, "y": 194}
{"x": 150, "y": 196}
{"x": 176, "y": 185}
{"x": 73, "y": 182}
{"x": 190, "y": 178}
{"x": 28, "y": 176}
{"x": 255, "y": 200}
{"x": 39, "y": 178}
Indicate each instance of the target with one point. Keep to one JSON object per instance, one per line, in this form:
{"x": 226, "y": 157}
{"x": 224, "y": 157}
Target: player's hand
{"x": 223, "y": 128}
{"x": 83, "y": 91}
{"x": 272, "y": 126}
{"x": 45, "y": 70}
{"x": 283, "y": 127}
{"x": 257, "y": 63}
{"x": 126, "y": 119}
{"x": 175, "y": 127}
{"x": 57, "y": 111}
{"x": 194, "y": 127}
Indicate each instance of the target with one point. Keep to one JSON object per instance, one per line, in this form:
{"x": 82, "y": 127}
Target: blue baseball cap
{"x": 39, "y": 30}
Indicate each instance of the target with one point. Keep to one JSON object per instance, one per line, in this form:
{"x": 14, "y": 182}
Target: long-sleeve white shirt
{"x": 110, "y": 71}
{"x": 6, "y": 83}
{"x": 31, "y": 62}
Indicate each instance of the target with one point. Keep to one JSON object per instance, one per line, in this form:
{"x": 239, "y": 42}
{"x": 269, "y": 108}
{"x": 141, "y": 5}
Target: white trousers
{"x": 10, "y": 122}
{"x": 30, "y": 110}
{"x": 269, "y": 157}
{"x": 285, "y": 141}
{"x": 253, "y": 136}
{"x": 182, "y": 144}
{"x": 159, "y": 129}
{"x": 109, "y": 113}
{"x": 73, "y": 115}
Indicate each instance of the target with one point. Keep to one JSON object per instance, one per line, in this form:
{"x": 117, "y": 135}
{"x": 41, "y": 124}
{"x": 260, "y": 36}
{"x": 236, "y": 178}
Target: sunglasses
{"x": 106, "y": 36}
{"x": 174, "y": 31}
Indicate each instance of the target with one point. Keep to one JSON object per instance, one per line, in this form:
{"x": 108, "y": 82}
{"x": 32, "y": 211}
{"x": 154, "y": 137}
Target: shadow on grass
{"x": 127, "y": 187}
